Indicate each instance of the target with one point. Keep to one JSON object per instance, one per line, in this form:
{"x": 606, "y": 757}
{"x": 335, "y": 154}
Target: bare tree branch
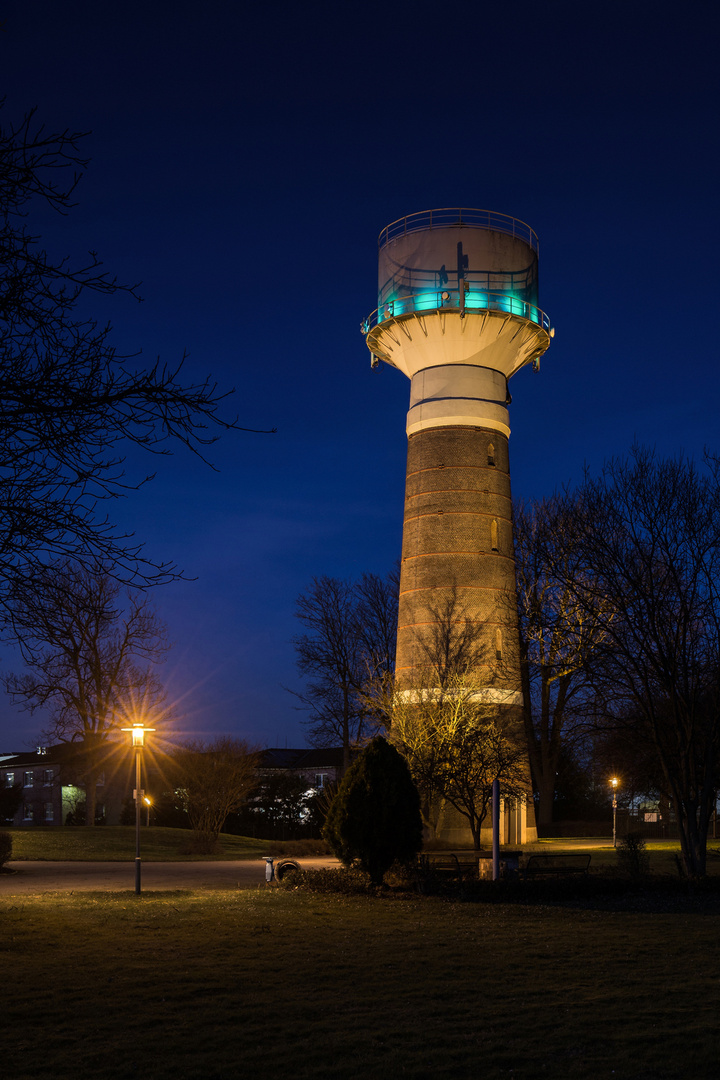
{"x": 70, "y": 404}
{"x": 647, "y": 533}
{"x": 349, "y": 642}
{"x": 214, "y": 779}
{"x": 557, "y": 638}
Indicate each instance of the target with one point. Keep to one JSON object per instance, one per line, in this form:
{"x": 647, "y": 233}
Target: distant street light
{"x": 614, "y": 783}
{"x": 148, "y": 803}
{"x": 137, "y": 732}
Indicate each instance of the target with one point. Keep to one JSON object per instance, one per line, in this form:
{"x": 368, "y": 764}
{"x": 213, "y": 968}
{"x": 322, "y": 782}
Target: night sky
{"x": 245, "y": 158}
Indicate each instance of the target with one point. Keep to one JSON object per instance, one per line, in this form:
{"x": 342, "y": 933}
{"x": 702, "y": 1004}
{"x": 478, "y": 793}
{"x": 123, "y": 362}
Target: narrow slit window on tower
{"x": 491, "y": 454}
{"x": 498, "y": 644}
{"x": 494, "y": 535}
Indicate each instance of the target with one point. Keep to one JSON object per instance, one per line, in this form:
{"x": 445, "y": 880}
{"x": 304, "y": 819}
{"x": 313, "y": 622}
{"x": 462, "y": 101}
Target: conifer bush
{"x": 6, "y": 846}
{"x": 374, "y": 819}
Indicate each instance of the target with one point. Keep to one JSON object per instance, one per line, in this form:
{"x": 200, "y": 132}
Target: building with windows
{"x": 49, "y": 791}
{"x": 35, "y": 778}
{"x": 317, "y": 767}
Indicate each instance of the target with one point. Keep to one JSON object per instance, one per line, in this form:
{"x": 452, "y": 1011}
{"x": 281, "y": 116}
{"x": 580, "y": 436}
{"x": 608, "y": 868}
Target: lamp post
{"x": 496, "y": 829}
{"x": 614, "y": 783}
{"x": 137, "y": 733}
{"x": 148, "y": 804}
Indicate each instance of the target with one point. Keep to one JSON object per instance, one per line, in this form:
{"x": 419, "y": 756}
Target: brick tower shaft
{"x": 457, "y": 557}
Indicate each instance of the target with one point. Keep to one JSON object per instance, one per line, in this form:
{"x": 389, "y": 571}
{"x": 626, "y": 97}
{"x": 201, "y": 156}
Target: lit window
{"x": 9, "y": 779}
{"x": 320, "y": 780}
{"x": 28, "y": 780}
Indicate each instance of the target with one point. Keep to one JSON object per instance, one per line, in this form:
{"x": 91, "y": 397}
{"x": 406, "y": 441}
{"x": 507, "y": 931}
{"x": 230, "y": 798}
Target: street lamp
{"x": 148, "y": 803}
{"x": 137, "y": 733}
{"x": 614, "y": 783}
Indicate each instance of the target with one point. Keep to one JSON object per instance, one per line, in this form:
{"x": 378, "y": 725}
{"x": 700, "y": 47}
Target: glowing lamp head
{"x": 137, "y": 733}
{"x": 614, "y": 782}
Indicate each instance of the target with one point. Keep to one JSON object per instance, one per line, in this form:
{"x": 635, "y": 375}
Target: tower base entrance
{"x": 517, "y": 826}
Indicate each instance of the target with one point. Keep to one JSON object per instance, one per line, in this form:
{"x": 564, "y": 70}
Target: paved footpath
{"x": 40, "y": 877}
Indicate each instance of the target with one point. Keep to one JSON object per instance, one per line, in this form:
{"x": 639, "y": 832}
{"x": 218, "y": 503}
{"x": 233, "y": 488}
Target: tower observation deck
{"x": 458, "y": 314}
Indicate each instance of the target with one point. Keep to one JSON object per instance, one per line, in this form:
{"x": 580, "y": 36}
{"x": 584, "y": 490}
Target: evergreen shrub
{"x": 6, "y": 846}
{"x": 375, "y": 819}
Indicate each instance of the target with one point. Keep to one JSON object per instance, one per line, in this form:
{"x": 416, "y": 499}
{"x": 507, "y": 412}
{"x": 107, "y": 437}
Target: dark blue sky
{"x": 244, "y": 159}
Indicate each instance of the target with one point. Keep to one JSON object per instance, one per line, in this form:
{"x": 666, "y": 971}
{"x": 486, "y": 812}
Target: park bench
{"x": 561, "y": 863}
{"x": 469, "y": 865}
{"x": 447, "y": 865}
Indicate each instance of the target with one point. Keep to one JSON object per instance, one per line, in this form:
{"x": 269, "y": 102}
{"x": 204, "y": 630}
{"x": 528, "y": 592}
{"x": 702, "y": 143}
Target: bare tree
{"x": 90, "y": 656}
{"x": 455, "y": 742}
{"x": 557, "y": 637}
{"x": 329, "y": 655}
{"x": 213, "y": 779}
{"x": 647, "y": 533}
{"x": 376, "y": 614}
{"x": 377, "y": 618}
{"x": 69, "y": 402}
{"x": 455, "y": 748}
{"x": 349, "y": 642}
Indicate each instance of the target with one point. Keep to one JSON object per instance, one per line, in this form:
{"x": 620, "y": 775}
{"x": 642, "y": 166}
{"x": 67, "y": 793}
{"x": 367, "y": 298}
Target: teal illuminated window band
{"x": 450, "y": 301}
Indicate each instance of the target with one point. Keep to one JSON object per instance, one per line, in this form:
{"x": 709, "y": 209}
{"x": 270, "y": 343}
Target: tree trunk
{"x": 546, "y": 796}
{"x": 693, "y": 823}
{"x": 346, "y": 731}
{"x": 91, "y": 753}
{"x": 90, "y": 796}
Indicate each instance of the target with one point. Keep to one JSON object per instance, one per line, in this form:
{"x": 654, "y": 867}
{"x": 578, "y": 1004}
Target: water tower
{"x": 458, "y": 314}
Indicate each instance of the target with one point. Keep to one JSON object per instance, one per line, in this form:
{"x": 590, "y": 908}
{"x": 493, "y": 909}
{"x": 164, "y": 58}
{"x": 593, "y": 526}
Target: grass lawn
{"x": 116, "y": 843}
{"x": 227, "y": 985}
{"x": 662, "y": 854}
